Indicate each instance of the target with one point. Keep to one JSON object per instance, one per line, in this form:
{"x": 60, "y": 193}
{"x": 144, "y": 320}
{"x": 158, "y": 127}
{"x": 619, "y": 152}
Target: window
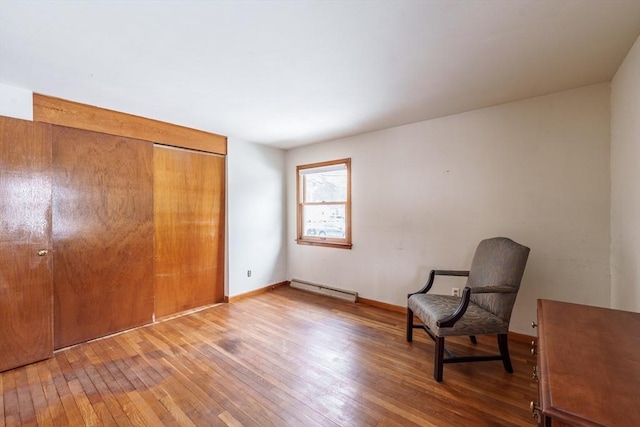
{"x": 324, "y": 204}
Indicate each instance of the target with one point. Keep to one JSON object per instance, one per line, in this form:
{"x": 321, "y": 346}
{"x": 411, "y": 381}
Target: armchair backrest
{"x": 497, "y": 262}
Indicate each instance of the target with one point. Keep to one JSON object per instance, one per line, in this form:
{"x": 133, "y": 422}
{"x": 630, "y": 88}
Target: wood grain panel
{"x": 26, "y": 304}
{"x": 189, "y": 229}
{"x": 73, "y": 114}
{"x": 102, "y": 234}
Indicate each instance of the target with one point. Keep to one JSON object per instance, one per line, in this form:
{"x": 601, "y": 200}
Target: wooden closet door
{"x": 102, "y": 234}
{"x": 26, "y": 302}
{"x": 188, "y": 191}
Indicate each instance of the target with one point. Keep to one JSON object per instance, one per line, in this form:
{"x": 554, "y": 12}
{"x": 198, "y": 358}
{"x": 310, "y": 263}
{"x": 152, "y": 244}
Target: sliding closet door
{"x": 26, "y": 304}
{"x": 189, "y": 229}
{"x": 102, "y": 234}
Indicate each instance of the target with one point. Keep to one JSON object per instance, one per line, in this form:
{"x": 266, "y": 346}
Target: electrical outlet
{"x": 455, "y": 292}
{"x": 248, "y": 273}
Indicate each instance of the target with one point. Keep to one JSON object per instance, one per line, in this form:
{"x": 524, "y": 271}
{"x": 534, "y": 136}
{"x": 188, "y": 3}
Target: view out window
{"x": 324, "y": 204}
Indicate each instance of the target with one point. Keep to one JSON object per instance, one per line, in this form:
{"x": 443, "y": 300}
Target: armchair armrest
{"x": 464, "y": 273}
{"x": 500, "y": 289}
{"x": 451, "y": 320}
{"x": 432, "y": 276}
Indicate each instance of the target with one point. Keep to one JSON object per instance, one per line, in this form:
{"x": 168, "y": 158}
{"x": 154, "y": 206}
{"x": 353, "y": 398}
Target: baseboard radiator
{"x": 324, "y": 290}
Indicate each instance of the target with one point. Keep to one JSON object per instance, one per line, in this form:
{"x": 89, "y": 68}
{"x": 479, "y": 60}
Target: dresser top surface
{"x": 590, "y": 363}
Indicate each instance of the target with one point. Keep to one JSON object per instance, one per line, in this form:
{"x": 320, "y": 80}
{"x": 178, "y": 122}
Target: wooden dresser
{"x": 588, "y": 366}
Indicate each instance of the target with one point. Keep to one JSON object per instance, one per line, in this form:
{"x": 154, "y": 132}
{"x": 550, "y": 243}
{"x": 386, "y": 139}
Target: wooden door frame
{"x": 48, "y": 109}
{"x": 56, "y": 111}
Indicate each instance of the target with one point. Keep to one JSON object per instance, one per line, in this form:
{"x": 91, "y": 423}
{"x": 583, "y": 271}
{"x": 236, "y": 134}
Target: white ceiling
{"x": 288, "y": 73}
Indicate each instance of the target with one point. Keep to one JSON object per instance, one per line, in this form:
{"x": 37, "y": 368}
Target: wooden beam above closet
{"x": 61, "y": 112}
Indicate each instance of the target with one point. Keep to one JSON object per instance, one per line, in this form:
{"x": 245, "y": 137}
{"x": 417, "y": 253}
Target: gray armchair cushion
{"x": 476, "y": 320}
{"x": 497, "y": 262}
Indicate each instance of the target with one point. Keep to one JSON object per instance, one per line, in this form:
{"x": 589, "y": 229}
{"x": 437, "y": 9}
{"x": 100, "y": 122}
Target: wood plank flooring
{"x": 282, "y": 358}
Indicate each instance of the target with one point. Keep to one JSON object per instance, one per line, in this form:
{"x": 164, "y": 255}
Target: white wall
{"x": 256, "y": 216}
{"x": 16, "y": 102}
{"x": 425, "y": 194}
{"x": 625, "y": 183}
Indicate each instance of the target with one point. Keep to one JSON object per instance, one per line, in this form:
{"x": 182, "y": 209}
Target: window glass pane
{"x": 326, "y": 186}
{"x": 324, "y": 221}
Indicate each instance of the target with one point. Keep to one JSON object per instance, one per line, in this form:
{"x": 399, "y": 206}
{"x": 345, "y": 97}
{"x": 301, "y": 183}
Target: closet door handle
{"x": 43, "y": 252}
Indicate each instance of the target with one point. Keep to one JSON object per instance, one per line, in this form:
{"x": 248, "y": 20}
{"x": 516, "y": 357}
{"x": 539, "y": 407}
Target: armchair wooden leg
{"x": 503, "y": 344}
{"x": 439, "y": 359}
{"x": 409, "y": 325}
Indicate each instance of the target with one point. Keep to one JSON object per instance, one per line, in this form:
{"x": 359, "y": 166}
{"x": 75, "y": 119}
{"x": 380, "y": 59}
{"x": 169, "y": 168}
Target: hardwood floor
{"x": 285, "y": 357}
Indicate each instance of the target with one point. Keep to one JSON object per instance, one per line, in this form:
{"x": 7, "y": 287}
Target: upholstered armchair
{"x": 484, "y": 308}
